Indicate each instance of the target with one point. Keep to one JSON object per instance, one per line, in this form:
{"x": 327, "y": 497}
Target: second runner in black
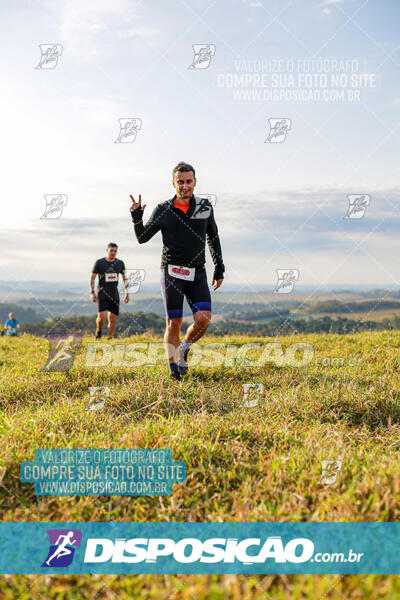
{"x": 107, "y": 269}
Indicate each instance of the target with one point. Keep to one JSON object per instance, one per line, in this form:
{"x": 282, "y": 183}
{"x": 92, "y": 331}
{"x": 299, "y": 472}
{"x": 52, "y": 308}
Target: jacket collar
{"x": 192, "y": 205}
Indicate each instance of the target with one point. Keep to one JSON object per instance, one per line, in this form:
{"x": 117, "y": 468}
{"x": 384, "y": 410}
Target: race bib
{"x": 182, "y": 272}
{"x": 111, "y": 277}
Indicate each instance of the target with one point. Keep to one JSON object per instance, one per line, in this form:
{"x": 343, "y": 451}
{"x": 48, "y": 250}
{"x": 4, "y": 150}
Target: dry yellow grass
{"x": 255, "y": 464}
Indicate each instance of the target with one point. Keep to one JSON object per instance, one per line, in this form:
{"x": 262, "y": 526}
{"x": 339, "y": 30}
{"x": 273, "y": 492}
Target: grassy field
{"x": 243, "y": 464}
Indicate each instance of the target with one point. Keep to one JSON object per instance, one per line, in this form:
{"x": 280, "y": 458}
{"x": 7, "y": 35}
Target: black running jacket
{"x": 184, "y": 235}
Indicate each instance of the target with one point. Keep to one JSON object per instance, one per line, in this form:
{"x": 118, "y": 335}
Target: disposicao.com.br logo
{"x": 167, "y": 554}
{"x": 191, "y": 550}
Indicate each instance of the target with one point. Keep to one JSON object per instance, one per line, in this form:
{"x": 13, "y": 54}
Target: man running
{"x": 12, "y": 325}
{"x": 185, "y": 221}
{"x": 107, "y": 296}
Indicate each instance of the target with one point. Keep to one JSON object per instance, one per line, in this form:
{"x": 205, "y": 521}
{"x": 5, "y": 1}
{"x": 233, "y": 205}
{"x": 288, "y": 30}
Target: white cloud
{"x": 101, "y": 110}
{"x": 98, "y": 27}
{"x": 83, "y": 26}
{"x": 251, "y": 3}
{"x": 139, "y": 32}
{"x": 326, "y": 6}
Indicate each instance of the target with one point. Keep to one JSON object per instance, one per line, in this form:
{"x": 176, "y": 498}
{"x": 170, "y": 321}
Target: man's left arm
{"x": 215, "y": 250}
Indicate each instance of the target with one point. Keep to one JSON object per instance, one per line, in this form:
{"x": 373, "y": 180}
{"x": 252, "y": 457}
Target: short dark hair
{"x": 184, "y": 167}
{"x": 112, "y": 245}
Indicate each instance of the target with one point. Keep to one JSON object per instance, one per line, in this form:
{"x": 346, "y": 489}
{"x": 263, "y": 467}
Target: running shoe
{"x": 175, "y": 375}
{"x": 182, "y": 362}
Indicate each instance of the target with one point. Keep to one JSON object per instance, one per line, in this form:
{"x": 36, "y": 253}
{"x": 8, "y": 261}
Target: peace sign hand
{"x": 137, "y": 209}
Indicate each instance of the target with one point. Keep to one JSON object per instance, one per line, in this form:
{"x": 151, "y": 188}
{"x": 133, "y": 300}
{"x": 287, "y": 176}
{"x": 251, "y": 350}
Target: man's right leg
{"x": 101, "y": 318}
{"x": 172, "y": 339}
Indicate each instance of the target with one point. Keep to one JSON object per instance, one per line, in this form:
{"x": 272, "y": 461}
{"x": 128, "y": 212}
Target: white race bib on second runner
{"x": 111, "y": 277}
{"x": 186, "y": 273}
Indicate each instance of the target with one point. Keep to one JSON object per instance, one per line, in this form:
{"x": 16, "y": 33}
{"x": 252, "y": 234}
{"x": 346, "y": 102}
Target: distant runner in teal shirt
{"x": 11, "y": 325}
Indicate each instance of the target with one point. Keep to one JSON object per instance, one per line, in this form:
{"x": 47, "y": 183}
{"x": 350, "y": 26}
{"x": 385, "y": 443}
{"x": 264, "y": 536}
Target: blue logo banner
{"x": 198, "y": 548}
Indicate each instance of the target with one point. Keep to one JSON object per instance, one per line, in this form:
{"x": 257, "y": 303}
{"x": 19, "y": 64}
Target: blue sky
{"x": 279, "y": 205}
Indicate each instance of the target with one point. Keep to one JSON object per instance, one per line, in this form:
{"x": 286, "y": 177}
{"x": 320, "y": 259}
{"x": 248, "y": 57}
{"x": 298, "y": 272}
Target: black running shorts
{"x": 108, "y": 301}
{"x": 174, "y": 290}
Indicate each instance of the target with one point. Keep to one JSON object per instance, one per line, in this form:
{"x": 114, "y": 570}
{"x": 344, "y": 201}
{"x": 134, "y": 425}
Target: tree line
{"x": 139, "y": 322}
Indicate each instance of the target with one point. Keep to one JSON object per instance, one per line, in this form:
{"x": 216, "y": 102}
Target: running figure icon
{"x": 62, "y": 549}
